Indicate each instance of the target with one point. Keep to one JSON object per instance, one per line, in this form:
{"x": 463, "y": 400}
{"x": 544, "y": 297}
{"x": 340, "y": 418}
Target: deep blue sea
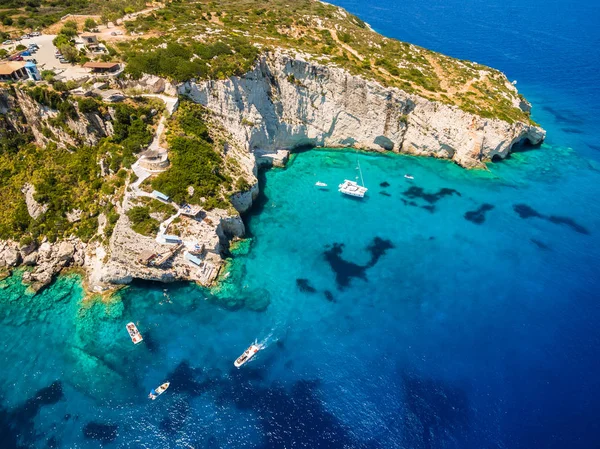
{"x": 457, "y": 310}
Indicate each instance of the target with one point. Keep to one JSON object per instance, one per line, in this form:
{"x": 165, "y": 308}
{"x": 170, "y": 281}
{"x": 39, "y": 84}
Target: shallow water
{"x": 388, "y": 319}
{"x": 456, "y": 310}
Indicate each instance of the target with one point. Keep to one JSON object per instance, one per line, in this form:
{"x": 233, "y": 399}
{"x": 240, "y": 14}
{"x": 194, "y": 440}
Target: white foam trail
{"x": 265, "y": 342}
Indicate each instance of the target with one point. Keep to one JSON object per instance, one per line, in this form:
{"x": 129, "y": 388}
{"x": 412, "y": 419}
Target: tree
{"x": 90, "y": 24}
{"x": 69, "y": 52}
{"x": 7, "y": 21}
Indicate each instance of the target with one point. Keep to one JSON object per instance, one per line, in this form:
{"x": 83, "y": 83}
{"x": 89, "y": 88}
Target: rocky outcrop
{"x": 34, "y": 208}
{"x": 149, "y": 84}
{"x": 46, "y": 261}
{"x": 288, "y": 102}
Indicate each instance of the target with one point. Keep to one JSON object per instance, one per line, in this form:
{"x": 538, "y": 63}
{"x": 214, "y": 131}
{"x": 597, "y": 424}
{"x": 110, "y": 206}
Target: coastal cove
{"x": 429, "y": 300}
{"x": 455, "y": 306}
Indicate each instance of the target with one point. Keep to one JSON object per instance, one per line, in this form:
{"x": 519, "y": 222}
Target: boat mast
{"x": 360, "y": 171}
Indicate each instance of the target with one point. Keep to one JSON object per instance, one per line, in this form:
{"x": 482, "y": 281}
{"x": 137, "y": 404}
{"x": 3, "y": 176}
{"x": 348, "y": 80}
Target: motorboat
{"x": 320, "y": 184}
{"x": 247, "y": 355}
{"x": 353, "y": 188}
{"x": 158, "y": 391}
{"x": 409, "y": 176}
{"x": 135, "y": 335}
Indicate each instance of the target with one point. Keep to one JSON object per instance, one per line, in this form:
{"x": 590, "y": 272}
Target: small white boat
{"x": 320, "y": 184}
{"x": 158, "y": 391}
{"x": 135, "y": 335}
{"x": 247, "y": 355}
{"x": 409, "y": 176}
{"x": 352, "y": 188}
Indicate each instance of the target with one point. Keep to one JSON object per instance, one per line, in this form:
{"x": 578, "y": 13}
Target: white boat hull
{"x": 158, "y": 391}
{"x": 247, "y": 355}
{"x": 135, "y": 335}
{"x": 351, "y": 188}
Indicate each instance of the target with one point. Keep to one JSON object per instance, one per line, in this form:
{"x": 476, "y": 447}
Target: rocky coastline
{"x": 287, "y": 101}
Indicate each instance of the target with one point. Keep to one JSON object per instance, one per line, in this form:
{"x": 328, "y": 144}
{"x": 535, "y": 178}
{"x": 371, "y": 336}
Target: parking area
{"x": 46, "y": 59}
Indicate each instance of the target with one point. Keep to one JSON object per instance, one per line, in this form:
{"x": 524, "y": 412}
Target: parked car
{"x": 35, "y": 33}
{"x": 33, "y": 60}
{"x": 7, "y": 42}
{"x": 63, "y": 60}
{"x": 25, "y": 36}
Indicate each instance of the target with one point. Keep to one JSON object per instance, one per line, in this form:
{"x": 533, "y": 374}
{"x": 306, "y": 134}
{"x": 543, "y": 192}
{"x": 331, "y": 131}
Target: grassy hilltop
{"x": 186, "y": 39}
{"x": 222, "y": 37}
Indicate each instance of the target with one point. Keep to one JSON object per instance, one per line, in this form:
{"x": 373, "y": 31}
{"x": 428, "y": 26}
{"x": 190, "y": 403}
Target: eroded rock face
{"x": 47, "y": 261}
{"x": 150, "y": 84}
{"x": 287, "y": 102}
{"x": 34, "y": 208}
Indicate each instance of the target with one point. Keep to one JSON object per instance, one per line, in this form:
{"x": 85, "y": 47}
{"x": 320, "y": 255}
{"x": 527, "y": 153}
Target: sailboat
{"x": 352, "y": 188}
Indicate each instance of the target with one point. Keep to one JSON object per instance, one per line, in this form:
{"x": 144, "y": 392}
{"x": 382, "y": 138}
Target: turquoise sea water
{"x": 456, "y": 310}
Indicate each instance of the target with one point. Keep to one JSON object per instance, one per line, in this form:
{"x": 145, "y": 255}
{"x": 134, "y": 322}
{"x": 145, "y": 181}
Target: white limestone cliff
{"x": 287, "y": 101}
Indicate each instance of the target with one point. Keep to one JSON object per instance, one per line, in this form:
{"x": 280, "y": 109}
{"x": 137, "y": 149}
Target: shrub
{"x": 88, "y": 105}
{"x": 90, "y": 23}
{"x": 141, "y": 222}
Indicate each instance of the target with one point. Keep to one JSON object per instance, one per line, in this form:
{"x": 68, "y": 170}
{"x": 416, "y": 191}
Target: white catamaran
{"x": 352, "y": 188}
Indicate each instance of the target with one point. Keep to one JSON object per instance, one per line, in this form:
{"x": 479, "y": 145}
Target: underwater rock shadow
{"x": 524, "y": 211}
{"x": 435, "y": 413}
{"x": 572, "y": 131}
{"x": 105, "y": 433}
{"x": 289, "y": 417}
{"x": 414, "y": 192}
{"x": 19, "y": 422}
{"x": 540, "y": 244}
{"x": 344, "y": 270}
{"x": 570, "y": 118}
{"x": 477, "y": 216}
{"x": 305, "y": 286}
{"x": 177, "y": 415}
{"x": 184, "y": 379}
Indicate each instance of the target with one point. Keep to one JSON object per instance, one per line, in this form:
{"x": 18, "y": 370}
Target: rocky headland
{"x": 287, "y": 99}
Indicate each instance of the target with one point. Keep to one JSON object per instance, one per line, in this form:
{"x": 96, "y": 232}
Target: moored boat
{"x": 247, "y": 355}
{"x": 135, "y": 335}
{"x": 353, "y": 188}
{"x": 320, "y": 184}
{"x": 158, "y": 391}
{"x": 409, "y": 176}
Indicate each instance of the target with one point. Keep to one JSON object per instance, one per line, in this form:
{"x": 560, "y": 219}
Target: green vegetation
{"x": 38, "y": 14}
{"x": 230, "y": 56}
{"x": 220, "y": 38}
{"x": 89, "y": 24}
{"x": 216, "y": 39}
{"x": 65, "y": 178}
{"x": 141, "y": 221}
{"x": 194, "y": 161}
